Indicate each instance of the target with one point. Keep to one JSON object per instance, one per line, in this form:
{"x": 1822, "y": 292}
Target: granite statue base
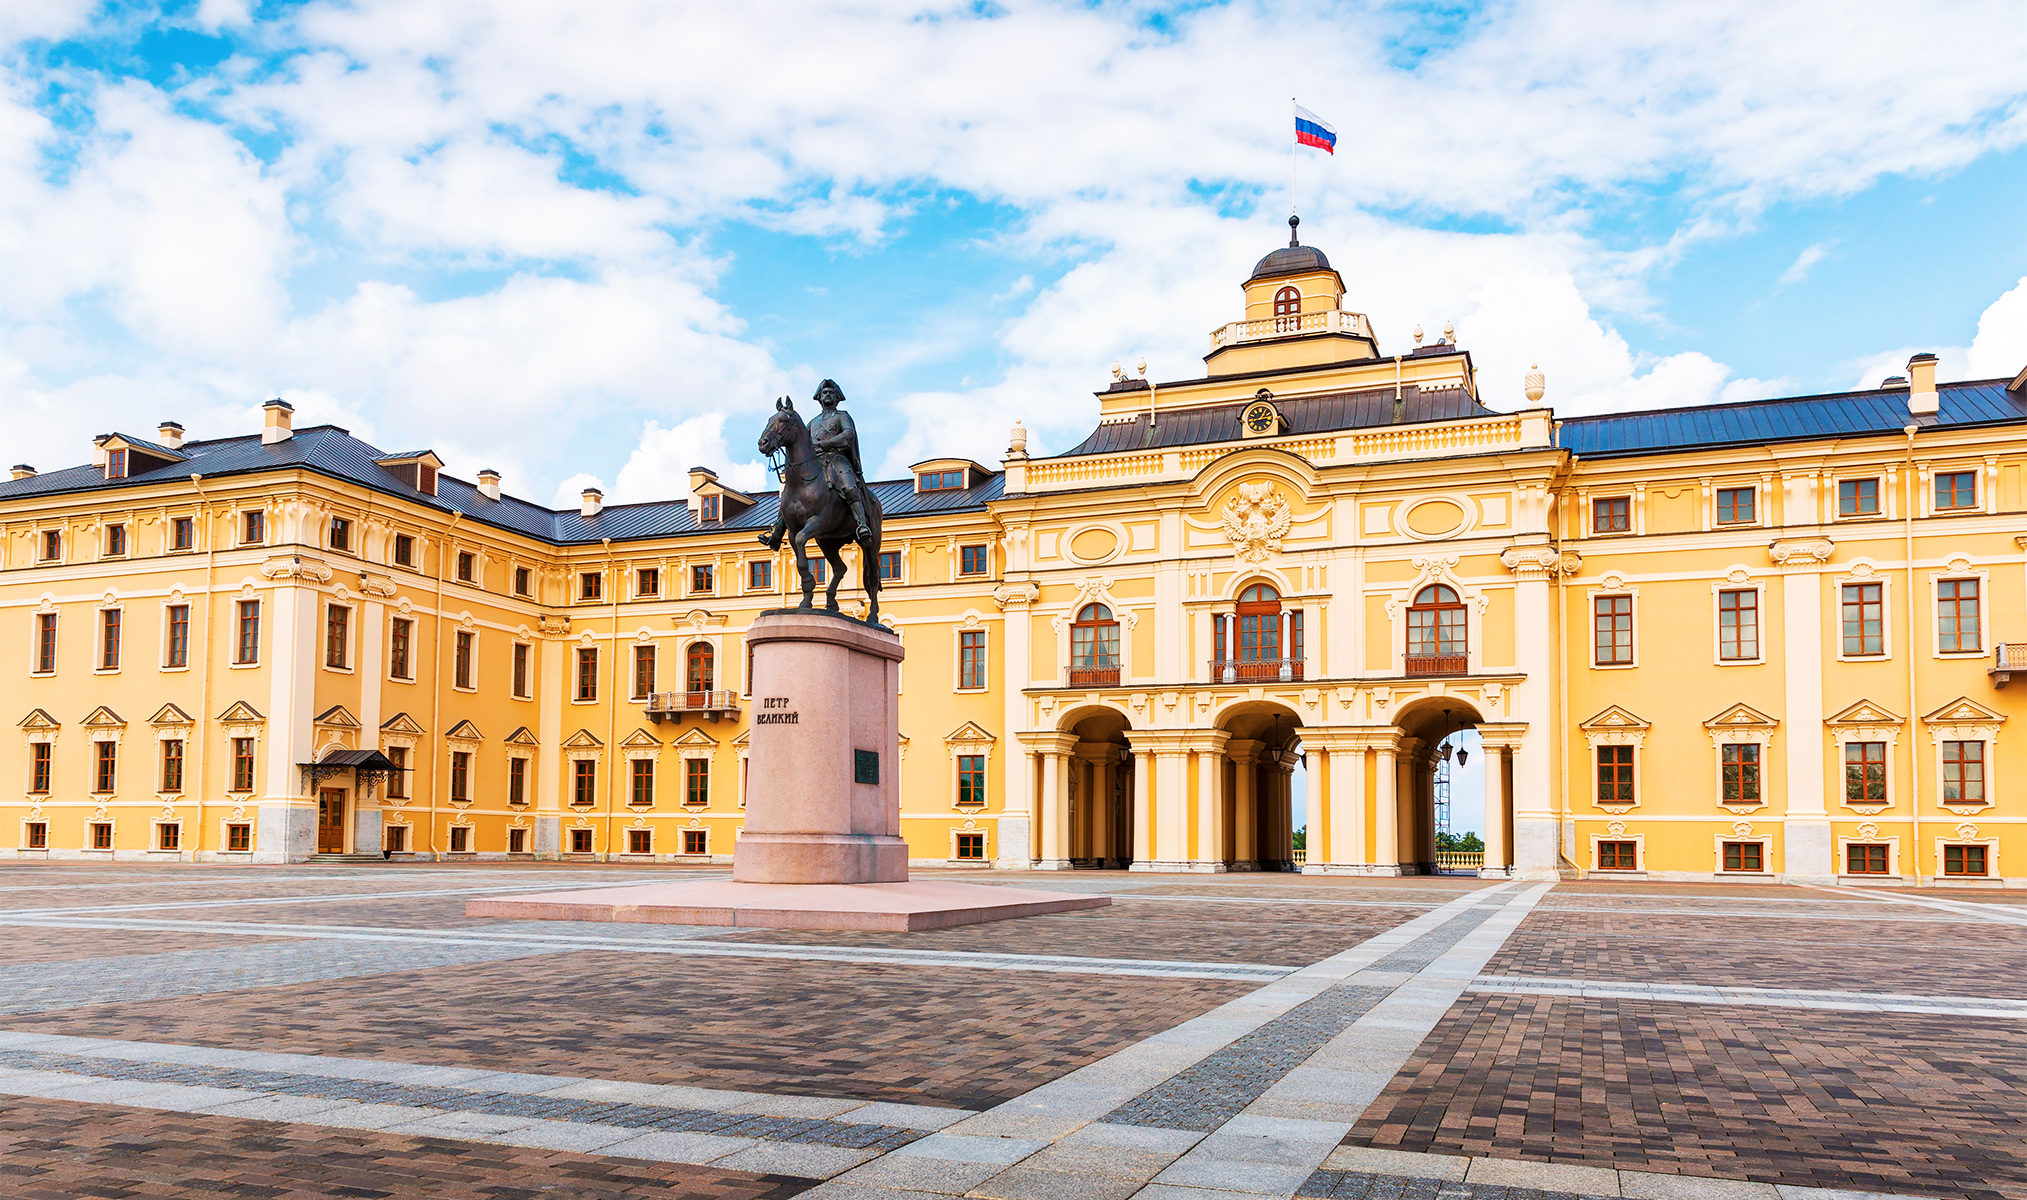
{"x": 884, "y": 907}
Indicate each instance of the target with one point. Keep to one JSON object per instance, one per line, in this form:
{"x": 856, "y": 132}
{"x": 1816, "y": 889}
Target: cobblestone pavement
{"x": 346, "y": 1031}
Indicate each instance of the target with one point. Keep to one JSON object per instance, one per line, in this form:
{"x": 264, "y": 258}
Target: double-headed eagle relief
{"x": 1256, "y": 520}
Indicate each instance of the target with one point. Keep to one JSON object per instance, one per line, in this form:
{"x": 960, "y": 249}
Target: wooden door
{"x": 331, "y": 821}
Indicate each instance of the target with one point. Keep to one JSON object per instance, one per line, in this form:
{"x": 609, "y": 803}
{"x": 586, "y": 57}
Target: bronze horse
{"x": 811, "y": 511}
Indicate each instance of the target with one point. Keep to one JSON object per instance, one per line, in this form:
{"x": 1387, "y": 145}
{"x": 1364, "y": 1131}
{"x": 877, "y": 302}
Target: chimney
{"x": 98, "y": 450}
{"x": 594, "y": 500}
{"x": 699, "y": 476}
{"x": 280, "y": 413}
{"x": 1893, "y": 381}
{"x": 1921, "y": 388}
{"x": 170, "y": 434}
{"x": 23, "y": 471}
{"x": 489, "y": 484}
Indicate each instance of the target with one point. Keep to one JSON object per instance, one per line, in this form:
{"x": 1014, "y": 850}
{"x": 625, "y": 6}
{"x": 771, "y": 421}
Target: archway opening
{"x": 1262, "y": 757}
{"x": 1441, "y": 791}
{"x": 1100, "y": 790}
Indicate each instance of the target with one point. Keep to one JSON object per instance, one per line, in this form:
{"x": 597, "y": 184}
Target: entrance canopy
{"x": 367, "y": 766}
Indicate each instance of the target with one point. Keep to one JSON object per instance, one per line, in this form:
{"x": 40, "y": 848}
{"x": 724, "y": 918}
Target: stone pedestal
{"x": 823, "y": 792}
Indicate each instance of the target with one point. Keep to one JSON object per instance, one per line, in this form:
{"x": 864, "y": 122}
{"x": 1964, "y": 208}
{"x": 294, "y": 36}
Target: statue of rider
{"x": 836, "y": 441}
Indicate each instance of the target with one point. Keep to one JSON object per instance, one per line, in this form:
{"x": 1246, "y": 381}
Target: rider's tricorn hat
{"x": 828, "y": 392}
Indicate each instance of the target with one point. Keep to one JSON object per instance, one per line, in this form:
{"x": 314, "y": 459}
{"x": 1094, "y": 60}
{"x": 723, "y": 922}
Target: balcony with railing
{"x": 1294, "y": 324}
{"x": 1094, "y": 676}
{"x": 2012, "y": 657}
{"x": 1438, "y": 664}
{"x": 712, "y": 704}
{"x": 1256, "y": 670}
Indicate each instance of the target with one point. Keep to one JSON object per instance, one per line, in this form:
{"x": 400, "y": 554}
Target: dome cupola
{"x": 1292, "y": 259}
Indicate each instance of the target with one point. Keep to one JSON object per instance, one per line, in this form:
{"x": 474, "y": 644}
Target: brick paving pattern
{"x": 28, "y": 945}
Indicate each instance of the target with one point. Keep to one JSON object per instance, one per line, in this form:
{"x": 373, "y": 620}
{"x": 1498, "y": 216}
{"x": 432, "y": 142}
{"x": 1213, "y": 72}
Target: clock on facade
{"x": 1260, "y": 418}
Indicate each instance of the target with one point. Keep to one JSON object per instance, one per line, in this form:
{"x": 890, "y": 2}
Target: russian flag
{"x": 1312, "y": 130}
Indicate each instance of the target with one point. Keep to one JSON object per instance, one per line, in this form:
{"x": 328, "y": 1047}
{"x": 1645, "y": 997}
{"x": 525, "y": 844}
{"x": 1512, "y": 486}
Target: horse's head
{"x": 782, "y": 428}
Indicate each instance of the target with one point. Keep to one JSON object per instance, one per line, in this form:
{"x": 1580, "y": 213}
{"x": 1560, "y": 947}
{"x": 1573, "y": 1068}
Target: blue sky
{"x": 588, "y": 243}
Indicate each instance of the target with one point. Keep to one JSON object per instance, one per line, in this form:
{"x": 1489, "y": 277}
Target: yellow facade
{"x": 1754, "y": 641}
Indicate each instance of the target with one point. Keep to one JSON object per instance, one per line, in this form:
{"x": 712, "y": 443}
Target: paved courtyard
{"x": 346, "y": 1031}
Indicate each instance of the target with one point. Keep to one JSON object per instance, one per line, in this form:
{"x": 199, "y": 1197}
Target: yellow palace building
{"x": 1759, "y": 640}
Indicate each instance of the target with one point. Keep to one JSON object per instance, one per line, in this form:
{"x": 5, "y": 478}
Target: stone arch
{"x": 1423, "y": 725}
{"x": 1257, "y": 789}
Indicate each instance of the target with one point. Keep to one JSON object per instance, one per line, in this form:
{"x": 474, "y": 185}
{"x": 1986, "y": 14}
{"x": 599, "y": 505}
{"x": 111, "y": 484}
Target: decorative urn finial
{"x": 1534, "y": 383}
{"x": 1418, "y": 334}
{"x": 1450, "y": 333}
{"x": 1017, "y": 439}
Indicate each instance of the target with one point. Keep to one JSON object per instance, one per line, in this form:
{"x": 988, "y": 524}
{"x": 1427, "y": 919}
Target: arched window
{"x": 1436, "y": 639}
{"x": 1094, "y": 647}
{"x": 1287, "y": 302}
{"x": 1259, "y": 640}
{"x": 699, "y": 672}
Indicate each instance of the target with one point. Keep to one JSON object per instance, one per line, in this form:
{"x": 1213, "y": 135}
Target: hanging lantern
{"x": 1462, "y": 755}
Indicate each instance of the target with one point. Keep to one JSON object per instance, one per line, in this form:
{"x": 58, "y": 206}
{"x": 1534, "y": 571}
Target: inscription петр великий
{"x": 776, "y": 717}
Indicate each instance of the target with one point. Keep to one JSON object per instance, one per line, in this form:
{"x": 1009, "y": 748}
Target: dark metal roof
{"x": 1803, "y": 418}
{"x": 329, "y": 450}
{"x": 369, "y": 760}
{"x": 1311, "y": 414}
{"x": 1290, "y": 260}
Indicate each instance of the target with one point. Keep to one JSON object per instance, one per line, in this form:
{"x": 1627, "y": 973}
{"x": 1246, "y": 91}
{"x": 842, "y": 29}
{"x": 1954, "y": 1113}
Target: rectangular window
{"x": 1735, "y": 506}
{"x": 1612, "y": 618}
{"x": 971, "y": 658}
{"x": 697, "y": 781}
{"x": 818, "y": 567}
{"x": 116, "y": 541}
{"x": 172, "y": 765}
{"x": 890, "y": 566}
{"x": 584, "y": 781}
{"x": 109, "y": 639}
{"x": 242, "y": 764}
{"x": 38, "y": 766}
{"x": 1618, "y": 856}
{"x": 640, "y": 841}
{"x": 239, "y": 837}
{"x": 1957, "y": 629}
{"x": 1963, "y": 860}
{"x": 182, "y": 533}
{"x": 467, "y": 566}
{"x": 1864, "y": 619}
{"x": 1957, "y": 489}
{"x": 102, "y": 835}
{"x": 1741, "y": 763}
{"x": 971, "y": 560}
{"x": 1858, "y": 497}
{"x": 395, "y": 839}
{"x": 400, "y": 636}
{"x": 1744, "y": 856}
{"x": 247, "y": 650}
{"x": 52, "y": 546}
{"x": 461, "y": 659}
{"x": 1613, "y": 514}
{"x": 971, "y": 846}
{"x": 643, "y": 672}
{"x": 460, "y": 777}
{"x": 176, "y": 652}
{"x": 1738, "y": 625}
{"x": 337, "y": 636}
{"x": 460, "y": 839}
{"x": 1615, "y": 774}
{"x": 1865, "y": 771}
{"x": 397, "y": 783}
{"x": 940, "y": 481}
{"x": 971, "y": 779}
{"x": 404, "y": 550}
{"x": 580, "y": 841}
{"x": 703, "y": 579}
{"x": 341, "y": 534}
{"x": 641, "y": 785}
{"x": 37, "y": 835}
{"x": 1964, "y": 772}
{"x": 253, "y": 528}
{"x": 105, "y": 767}
{"x": 696, "y": 841}
{"x": 521, "y": 670}
{"x": 590, "y": 585}
{"x": 647, "y": 582}
{"x": 169, "y": 837}
{"x": 517, "y": 841}
{"x": 116, "y": 464}
{"x": 517, "y": 781}
{"x": 45, "y": 643}
{"x": 708, "y": 508}
{"x": 521, "y": 580}
{"x": 1865, "y": 858}
{"x": 759, "y": 576}
{"x": 587, "y": 673}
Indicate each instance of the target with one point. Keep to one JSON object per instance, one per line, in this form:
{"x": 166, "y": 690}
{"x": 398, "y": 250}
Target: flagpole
{"x": 1294, "y": 158}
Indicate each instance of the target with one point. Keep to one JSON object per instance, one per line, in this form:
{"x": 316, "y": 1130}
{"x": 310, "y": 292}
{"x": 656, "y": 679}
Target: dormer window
{"x": 708, "y": 508}
{"x": 116, "y": 464}
{"x": 417, "y": 470}
{"x": 940, "y": 481}
{"x": 425, "y": 479}
{"x": 1287, "y": 309}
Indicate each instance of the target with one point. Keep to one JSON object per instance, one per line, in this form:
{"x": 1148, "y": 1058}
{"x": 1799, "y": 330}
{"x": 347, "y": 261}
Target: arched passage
{"x": 1258, "y": 827}
{"x": 1098, "y": 788}
{"x": 1425, "y": 726}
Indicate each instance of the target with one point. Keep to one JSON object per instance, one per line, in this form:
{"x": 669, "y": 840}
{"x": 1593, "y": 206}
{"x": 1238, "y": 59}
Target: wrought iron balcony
{"x": 1439, "y": 664}
{"x": 712, "y": 704}
{"x": 1094, "y": 676}
{"x": 1255, "y": 670}
{"x": 1333, "y": 321}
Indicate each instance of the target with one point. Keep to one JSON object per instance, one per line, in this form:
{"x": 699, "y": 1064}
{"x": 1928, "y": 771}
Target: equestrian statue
{"x": 824, "y": 497}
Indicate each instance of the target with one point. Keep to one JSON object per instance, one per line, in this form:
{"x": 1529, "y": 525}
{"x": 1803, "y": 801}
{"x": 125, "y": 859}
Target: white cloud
{"x": 1997, "y": 351}
{"x": 1798, "y": 271}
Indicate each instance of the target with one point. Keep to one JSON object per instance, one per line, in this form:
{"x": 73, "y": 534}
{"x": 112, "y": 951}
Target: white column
{"x": 549, "y": 687}
{"x": 1537, "y": 827}
{"x": 1143, "y": 816}
{"x": 1055, "y": 814}
{"x": 1245, "y": 810}
{"x": 1495, "y": 812}
{"x": 288, "y": 827}
{"x": 1016, "y": 829}
{"x": 1210, "y": 810}
{"x": 1102, "y": 848}
{"x": 1171, "y": 808}
{"x": 1386, "y": 854}
{"x": 1810, "y": 853}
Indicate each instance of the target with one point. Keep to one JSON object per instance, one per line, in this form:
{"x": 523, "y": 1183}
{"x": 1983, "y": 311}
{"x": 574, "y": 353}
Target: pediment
{"x": 1864, "y": 712}
{"x": 401, "y": 722}
{"x": 338, "y": 716}
{"x": 103, "y": 718}
{"x": 1615, "y": 717}
{"x": 169, "y": 714}
{"x": 1964, "y": 711}
{"x": 1741, "y": 716}
{"x": 240, "y": 713}
{"x": 742, "y": 739}
{"x": 696, "y": 737}
{"x": 40, "y": 719}
{"x": 465, "y": 731}
{"x": 640, "y": 738}
{"x": 582, "y": 740}
{"x": 970, "y": 731}
{"x": 522, "y": 737}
